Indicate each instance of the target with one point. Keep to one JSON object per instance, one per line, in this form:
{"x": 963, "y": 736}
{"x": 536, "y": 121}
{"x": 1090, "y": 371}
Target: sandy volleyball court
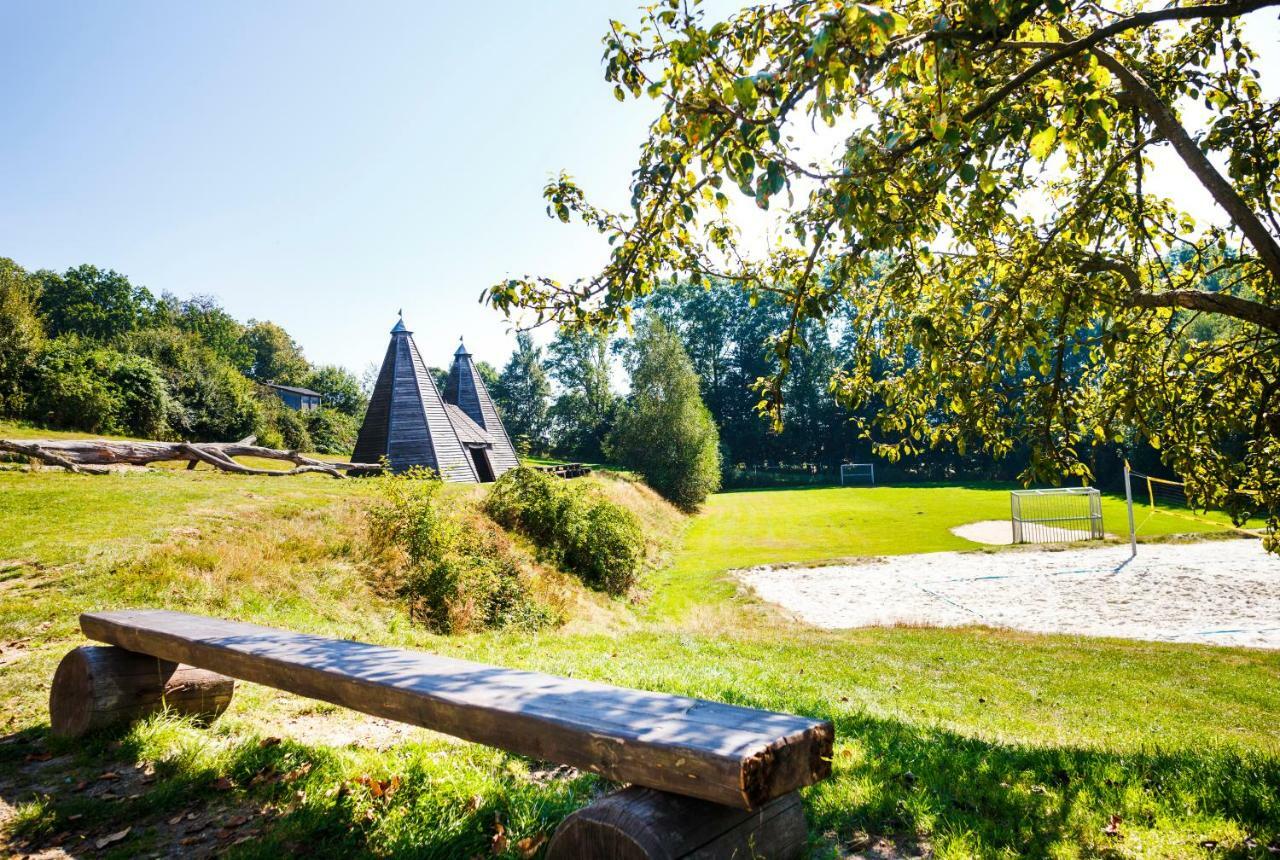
{"x": 1224, "y": 592}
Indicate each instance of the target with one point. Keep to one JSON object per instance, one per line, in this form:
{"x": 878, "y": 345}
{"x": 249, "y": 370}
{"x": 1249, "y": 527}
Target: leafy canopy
{"x": 976, "y": 179}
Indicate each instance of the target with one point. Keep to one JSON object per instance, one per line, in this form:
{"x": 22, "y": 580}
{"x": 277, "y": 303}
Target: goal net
{"x": 857, "y": 473}
{"x": 1056, "y": 515}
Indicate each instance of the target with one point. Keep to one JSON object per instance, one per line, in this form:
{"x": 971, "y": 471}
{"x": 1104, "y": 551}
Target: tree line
{"x": 86, "y": 349}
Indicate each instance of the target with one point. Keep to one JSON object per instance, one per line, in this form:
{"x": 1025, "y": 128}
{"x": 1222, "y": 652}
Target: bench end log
{"x": 97, "y": 686}
{"x": 645, "y": 824}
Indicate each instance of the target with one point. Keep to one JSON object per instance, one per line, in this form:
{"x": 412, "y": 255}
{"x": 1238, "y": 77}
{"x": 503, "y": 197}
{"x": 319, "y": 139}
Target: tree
{"x": 92, "y": 302}
{"x": 342, "y": 391}
{"x": 205, "y": 318}
{"x": 273, "y": 356}
{"x": 583, "y": 412}
{"x": 664, "y": 431}
{"x": 1000, "y": 159}
{"x": 522, "y": 392}
{"x": 21, "y": 334}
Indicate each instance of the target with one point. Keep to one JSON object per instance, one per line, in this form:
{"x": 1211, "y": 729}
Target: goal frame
{"x": 1047, "y": 515}
{"x": 871, "y": 467}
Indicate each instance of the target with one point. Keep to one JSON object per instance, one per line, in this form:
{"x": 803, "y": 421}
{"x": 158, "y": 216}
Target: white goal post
{"x": 1056, "y": 515}
{"x": 856, "y": 471}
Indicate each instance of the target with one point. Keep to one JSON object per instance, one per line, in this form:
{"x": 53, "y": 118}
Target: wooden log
{"x": 96, "y": 686}
{"x": 643, "y": 824}
{"x": 92, "y": 455}
{"x": 724, "y": 753}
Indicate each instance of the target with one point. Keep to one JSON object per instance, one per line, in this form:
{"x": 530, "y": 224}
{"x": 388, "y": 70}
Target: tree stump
{"x": 96, "y": 686}
{"x": 645, "y": 824}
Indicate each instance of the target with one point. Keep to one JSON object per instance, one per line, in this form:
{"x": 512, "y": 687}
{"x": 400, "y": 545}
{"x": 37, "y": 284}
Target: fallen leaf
{"x": 1113, "y": 827}
{"x": 268, "y": 742}
{"x": 44, "y": 756}
{"x": 235, "y": 821}
{"x": 113, "y": 838}
{"x": 177, "y": 819}
{"x": 109, "y": 775}
{"x": 529, "y": 845}
{"x": 498, "y": 845}
{"x": 222, "y": 783}
{"x": 298, "y": 772}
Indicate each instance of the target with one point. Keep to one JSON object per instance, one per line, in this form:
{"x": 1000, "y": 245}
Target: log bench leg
{"x": 646, "y": 824}
{"x": 96, "y": 686}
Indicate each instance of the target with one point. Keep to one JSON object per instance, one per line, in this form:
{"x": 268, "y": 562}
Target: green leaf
{"x": 938, "y": 125}
{"x": 968, "y": 173}
{"x": 744, "y": 90}
{"x": 987, "y": 181}
{"x": 1043, "y": 142}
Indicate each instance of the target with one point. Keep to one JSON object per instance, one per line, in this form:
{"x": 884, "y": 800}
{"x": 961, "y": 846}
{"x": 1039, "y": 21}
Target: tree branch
{"x": 1265, "y": 316}
{"x": 1223, "y": 192}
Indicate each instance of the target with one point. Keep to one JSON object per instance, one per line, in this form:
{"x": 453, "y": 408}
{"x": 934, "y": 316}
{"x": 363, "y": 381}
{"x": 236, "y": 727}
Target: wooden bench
{"x": 708, "y": 779}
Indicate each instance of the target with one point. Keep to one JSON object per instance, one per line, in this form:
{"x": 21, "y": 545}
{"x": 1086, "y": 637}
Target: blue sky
{"x": 320, "y": 165}
{"x": 317, "y": 164}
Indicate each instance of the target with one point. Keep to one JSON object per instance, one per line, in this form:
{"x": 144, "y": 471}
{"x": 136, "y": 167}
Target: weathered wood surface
{"x": 643, "y": 824}
{"x": 94, "y": 456}
{"x": 96, "y": 686}
{"x": 727, "y": 754}
{"x": 566, "y": 470}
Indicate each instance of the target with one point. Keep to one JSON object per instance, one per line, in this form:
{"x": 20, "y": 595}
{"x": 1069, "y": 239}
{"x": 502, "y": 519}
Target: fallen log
{"x": 95, "y": 456}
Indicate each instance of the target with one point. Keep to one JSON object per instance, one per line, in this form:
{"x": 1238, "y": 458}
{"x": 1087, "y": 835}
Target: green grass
{"x": 816, "y": 524}
{"x": 973, "y": 742}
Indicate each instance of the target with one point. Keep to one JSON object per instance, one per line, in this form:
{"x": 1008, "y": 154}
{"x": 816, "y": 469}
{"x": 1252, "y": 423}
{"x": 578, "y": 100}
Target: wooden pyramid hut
{"x": 411, "y": 424}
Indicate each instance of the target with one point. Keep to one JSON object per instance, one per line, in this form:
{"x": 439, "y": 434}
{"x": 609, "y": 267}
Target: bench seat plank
{"x": 727, "y": 754}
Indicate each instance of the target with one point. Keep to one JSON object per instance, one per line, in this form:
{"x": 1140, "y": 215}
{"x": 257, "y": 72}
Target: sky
{"x": 318, "y": 164}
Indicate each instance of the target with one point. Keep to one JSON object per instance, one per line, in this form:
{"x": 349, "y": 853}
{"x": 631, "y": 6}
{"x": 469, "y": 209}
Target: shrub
{"x": 574, "y": 527}
{"x": 76, "y": 384}
{"x": 457, "y": 575}
{"x": 332, "y": 432}
{"x": 212, "y": 401}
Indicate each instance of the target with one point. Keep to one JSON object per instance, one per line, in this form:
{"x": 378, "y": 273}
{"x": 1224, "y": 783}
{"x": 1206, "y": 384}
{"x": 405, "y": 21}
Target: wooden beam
{"x": 727, "y": 754}
{"x": 644, "y": 824}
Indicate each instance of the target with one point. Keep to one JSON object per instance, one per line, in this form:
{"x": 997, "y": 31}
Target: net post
{"x": 1128, "y": 499}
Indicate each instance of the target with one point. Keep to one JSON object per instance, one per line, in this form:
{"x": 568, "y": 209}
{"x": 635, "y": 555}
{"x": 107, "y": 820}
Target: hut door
{"x": 483, "y": 470}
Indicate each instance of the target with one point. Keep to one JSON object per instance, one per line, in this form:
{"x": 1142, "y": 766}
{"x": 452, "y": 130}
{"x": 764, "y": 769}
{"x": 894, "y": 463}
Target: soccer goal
{"x": 858, "y": 473}
{"x": 1056, "y": 515}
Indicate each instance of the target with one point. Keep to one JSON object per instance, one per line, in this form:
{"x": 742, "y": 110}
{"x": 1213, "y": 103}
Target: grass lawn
{"x": 814, "y": 524}
{"x": 965, "y": 742}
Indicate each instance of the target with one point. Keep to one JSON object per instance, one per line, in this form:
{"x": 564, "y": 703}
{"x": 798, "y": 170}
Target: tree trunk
{"x": 644, "y": 824}
{"x": 95, "y": 455}
{"x": 98, "y": 685}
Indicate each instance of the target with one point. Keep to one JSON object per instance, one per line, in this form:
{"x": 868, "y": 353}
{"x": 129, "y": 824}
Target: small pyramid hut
{"x": 458, "y": 433}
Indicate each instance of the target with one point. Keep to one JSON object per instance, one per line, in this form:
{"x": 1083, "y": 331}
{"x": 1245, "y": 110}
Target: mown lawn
{"x": 968, "y": 742}
{"x": 815, "y": 524}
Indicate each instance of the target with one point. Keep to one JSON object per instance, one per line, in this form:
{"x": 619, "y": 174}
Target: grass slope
{"x": 970, "y": 742}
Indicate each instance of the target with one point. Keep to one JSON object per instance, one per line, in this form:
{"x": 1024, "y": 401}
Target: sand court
{"x": 1224, "y": 592}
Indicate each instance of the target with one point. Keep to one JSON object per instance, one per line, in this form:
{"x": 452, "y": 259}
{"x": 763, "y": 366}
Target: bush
{"x": 332, "y": 432}
{"x": 457, "y": 575}
{"x": 78, "y": 385}
{"x": 574, "y": 527}
{"x": 212, "y": 401}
